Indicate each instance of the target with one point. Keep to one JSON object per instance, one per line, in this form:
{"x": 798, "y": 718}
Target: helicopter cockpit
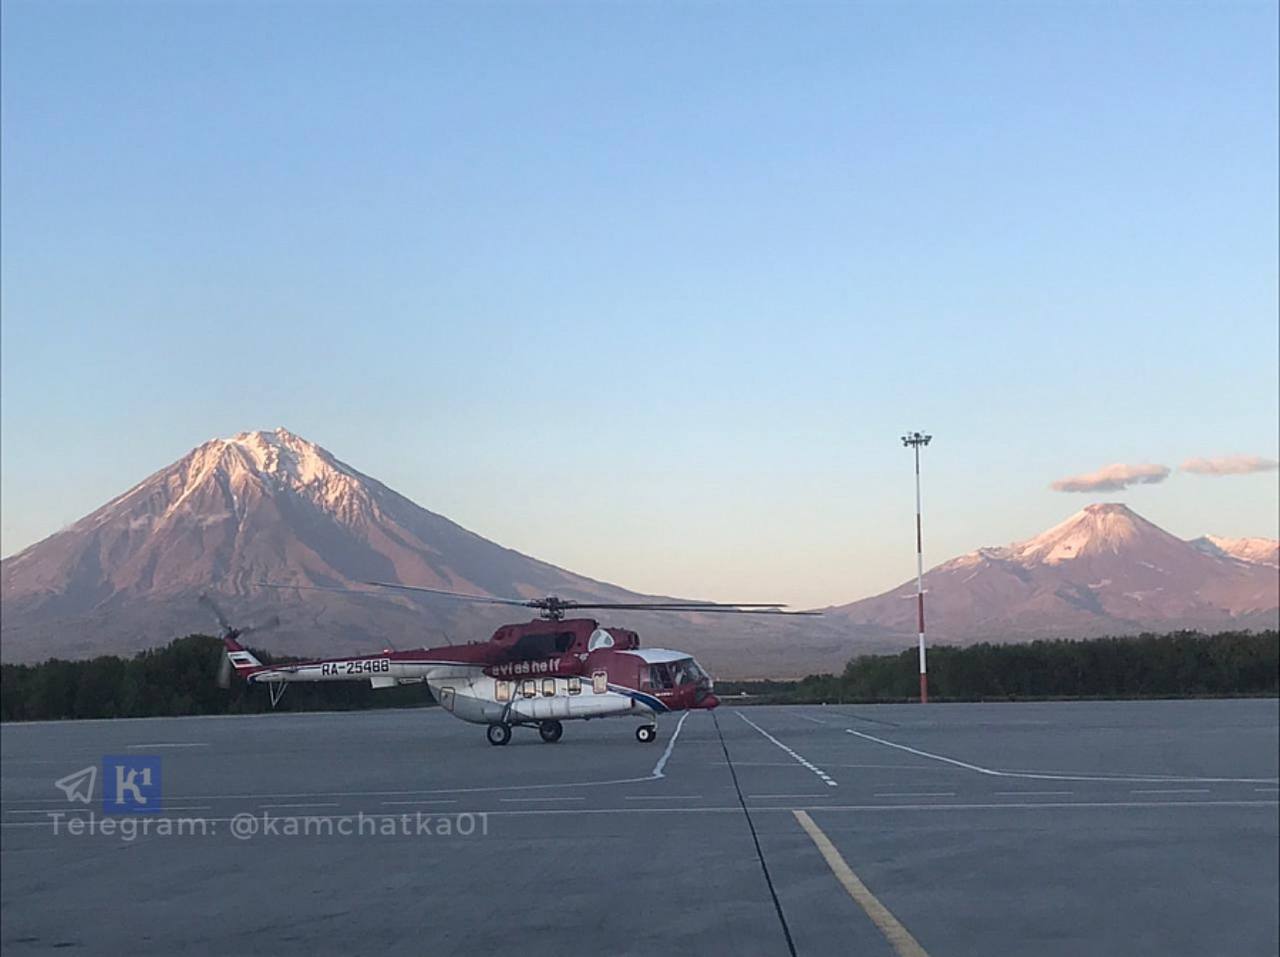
{"x": 668, "y": 675}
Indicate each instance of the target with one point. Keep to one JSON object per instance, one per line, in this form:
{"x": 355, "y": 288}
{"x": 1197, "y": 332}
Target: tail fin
{"x": 241, "y": 659}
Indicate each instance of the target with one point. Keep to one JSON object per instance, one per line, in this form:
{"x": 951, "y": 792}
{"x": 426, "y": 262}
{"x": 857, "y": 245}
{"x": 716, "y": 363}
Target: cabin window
{"x": 599, "y": 682}
{"x": 530, "y": 689}
{"x": 502, "y": 691}
{"x": 542, "y": 646}
{"x": 574, "y": 685}
{"x": 548, "y": 687}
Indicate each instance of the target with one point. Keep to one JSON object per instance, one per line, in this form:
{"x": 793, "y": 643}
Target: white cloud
{"x": 1230, "y": 465}
{"x": 1113, "y": 478}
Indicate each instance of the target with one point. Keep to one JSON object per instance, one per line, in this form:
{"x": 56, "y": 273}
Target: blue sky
{"x": 645, "y": 290}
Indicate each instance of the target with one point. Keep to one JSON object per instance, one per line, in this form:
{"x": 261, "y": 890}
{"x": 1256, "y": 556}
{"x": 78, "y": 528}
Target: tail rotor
{"x": 230, "y": 635}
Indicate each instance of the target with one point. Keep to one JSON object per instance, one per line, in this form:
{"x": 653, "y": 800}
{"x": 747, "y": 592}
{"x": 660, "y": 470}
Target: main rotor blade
{"x": 671, "y": 605}
{"x": 553, "y": 600}
{"x": 224, "y": 673}
{"x": 485, "y": 599}
{"x": 524, "y": 602}
{"x": 697, "y": 609}
{"x": 568, "y": 604}
{"x": 283, "y": 587}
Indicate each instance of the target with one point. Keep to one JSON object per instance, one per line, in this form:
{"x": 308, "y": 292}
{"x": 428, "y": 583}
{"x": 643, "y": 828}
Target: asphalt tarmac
{"x": 1062, "y": 828}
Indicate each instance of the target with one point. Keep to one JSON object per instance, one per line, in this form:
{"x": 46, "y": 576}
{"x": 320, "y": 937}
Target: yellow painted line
{"x": 904, "y": 945}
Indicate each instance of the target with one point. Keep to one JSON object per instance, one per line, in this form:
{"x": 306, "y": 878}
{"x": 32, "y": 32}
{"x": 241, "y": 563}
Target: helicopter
{"x": 536, "y": 674}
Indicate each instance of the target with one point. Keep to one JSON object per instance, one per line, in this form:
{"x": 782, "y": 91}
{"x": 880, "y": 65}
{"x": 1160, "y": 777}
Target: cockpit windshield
{"x": 674, "y": 674}
{"x": 687, "y": 672}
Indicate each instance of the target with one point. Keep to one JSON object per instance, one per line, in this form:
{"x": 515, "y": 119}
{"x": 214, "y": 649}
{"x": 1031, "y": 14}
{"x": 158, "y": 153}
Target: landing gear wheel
{"x": 499, "y": 733}
{"x": 550, "y": 731}
{"x": 646, "y": 733}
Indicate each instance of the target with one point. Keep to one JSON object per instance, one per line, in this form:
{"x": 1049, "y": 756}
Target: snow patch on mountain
{"x": 1094, "y": 530}
{"x": 1104, "y": 570}
{"x": 1258, "y": 551}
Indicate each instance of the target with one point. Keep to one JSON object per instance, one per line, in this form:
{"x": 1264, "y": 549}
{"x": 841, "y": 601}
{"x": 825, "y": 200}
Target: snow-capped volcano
{"x": 260, "y": 505}
{"x": 236, "y": 470}
{"x": 1258, "y": 551}
{"x": 1105, "y": 570}
{"x": 271, "y": 506}
{"x": 1096, "y": 530}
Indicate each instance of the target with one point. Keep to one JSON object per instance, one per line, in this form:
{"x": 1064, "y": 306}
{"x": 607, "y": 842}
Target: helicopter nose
{"x": 709, "y": 702}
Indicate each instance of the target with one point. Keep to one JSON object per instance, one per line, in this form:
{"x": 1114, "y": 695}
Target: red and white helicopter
{"x": 535, "y": 674}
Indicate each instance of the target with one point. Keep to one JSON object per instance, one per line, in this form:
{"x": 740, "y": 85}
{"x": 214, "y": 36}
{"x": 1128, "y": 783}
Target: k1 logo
{"x": 130, "y": 784}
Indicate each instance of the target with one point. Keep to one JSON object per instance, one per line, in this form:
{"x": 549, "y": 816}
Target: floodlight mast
{"x": 915, "y": 441}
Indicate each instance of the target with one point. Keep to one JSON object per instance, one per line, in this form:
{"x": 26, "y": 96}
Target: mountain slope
{"x": 1105, "y": 570}
{"x": 1257, "y": 551}
{"x": 270, "y": 506}
{"x": 267, "y": 505}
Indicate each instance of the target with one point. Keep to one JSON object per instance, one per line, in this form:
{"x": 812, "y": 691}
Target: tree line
{"x": 1181, "y": 664}
{"x": 179, "y": 679}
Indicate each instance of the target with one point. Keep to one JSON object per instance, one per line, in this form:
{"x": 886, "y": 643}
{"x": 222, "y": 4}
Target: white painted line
{"x": 273, "y": 807}
{"x": 1170, "y": 791}
{"x": 1036, "y": 776}
{"x": 826, "y": 778}
{"x": 885, "y": 767}
{"x": 917, "y": 794}
{"x": 1032, "y": 793}
{"x": 531, "y": 800}
{"x": 657, "y": 772}
{"x": 153, "y": 747}
{"x": 377, "y": 794}
{"x": 96, "y": 807}
{"x": 1028, "y": 806}
{"x": 417, "y": 803}
{"x": 662, "y": 761}
{"x": 1267, "y": 790}
{"x": 663, "y": 797}
{"x": 923, "y": 754}
{"x": 166, "y": 808}
{"x": 737, "y": 809}
{"x": 825, "y": 724}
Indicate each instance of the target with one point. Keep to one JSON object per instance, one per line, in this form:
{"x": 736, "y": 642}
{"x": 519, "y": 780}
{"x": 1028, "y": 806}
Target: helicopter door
{"x": 446, "y": 698}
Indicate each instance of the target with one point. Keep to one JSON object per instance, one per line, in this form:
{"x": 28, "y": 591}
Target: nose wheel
{"x": 647, "y": 733}
{"x": 499, "y": 734}
{"x": 550, "y": 731}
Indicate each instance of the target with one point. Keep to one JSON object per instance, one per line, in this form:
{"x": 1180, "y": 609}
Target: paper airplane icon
{"x": 79, "y": 785}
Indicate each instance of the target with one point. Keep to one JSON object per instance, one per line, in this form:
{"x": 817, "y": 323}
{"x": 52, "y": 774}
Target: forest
{"x": 181, "y": 678}
{"x": 1183, "y": 664}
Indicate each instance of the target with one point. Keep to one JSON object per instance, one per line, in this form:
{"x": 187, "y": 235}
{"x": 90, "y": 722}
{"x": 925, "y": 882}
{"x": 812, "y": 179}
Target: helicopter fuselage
{"x": 536, "y": 673}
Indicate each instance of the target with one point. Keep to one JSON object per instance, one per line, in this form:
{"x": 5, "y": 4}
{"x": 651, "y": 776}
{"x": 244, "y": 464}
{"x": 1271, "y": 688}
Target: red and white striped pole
{"x": 915, "y": 440}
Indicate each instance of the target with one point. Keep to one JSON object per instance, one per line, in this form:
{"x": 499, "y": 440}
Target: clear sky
{"x": 651, "y": 290}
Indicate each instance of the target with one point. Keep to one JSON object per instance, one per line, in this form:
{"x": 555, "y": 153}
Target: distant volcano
{"x": 1105, "y": 570}
{"x": 1261, "y": 551}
